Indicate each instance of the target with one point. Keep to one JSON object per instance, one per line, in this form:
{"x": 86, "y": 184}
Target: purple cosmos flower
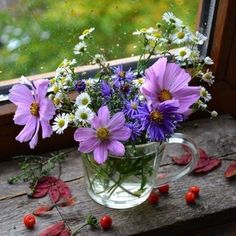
{"x": 106, "y": 89}
{"x": 167, "y": 81}
{"x": 122, "y": 76}
{"x": 80, "y": 86}
{"x": 104, "y": 136}
{"x": 32, "y": 111}
{"x": 160, "y": 120}
{"x": 136, "y": 130}
{"x": 132, "y": 107}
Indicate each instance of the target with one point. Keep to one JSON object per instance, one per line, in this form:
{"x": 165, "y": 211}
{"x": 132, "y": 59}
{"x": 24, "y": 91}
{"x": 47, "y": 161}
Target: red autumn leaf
{"x": 53, "y": 230}
{"x": 186, "y": 149}
{"x": 212, "y": 163}
{"x": 201, "y": 163}
{"x": 63, "y": 189}
{"x": 68, "y": 202}
{"x": 65, "y": 232}
{"x": 231, "y": 170}
{"x": 42, "y": 209}
{"x": 54, "y": 194}
{"x": 202, "y": 154}
{"x": 40, "y": 192}
{"x": 182, "y": 160}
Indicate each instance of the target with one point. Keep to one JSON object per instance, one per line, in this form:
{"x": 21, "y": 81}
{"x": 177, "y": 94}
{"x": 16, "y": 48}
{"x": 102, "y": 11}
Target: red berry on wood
{"x": 106, "y": 222}
{"x": 190, "y": 197}
{"x": 195, "y": 190}
{"x": 153, "y": 198}
{"x": 29, "y": 221}
{"x": 164, "y": 188}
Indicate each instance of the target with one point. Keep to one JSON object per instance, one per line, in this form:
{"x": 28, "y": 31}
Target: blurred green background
{"x": 36, "y": 35}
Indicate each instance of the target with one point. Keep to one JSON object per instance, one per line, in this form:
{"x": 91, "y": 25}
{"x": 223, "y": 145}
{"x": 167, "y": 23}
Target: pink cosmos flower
{"x": 104, "y": 136}
{"x": 167, "y": 81}
{"x": 33, "y": 109}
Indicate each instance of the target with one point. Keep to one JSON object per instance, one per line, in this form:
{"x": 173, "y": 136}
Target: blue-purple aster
{"x": 132, "y": 107}
{"x": 160, "y": 120}
{"x": 122, "y": 76}
{"x": 136, "y": 130}
{"x": 106, "y": 90}
{"x": 80, "y": 86}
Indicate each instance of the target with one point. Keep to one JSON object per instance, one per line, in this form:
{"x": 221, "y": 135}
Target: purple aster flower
{"x": 122, "y": 76}
{"x": 80, "y": 86}
{"x": 32, "y": 111}
{"x": 160, "y": 120}
{"x": 136, "y": 130}
{"x": 106, "y": 89}
{"x": 104, "y": 136}
{"x": 132, "y": 107}
{"x": 168, "y": 81}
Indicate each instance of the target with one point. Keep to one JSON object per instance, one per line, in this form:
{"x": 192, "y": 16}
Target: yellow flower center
{"x": 34, "y": 109}
{"x": 134, "y": 105}
{"x": 61, "y": 123}
{"x": 86, "y": 31}
{"x": 165, "y": 95}
{"x": 57, "y": 101}
{"x": 84, "y": 101}
{"x": 143, "y": 30}
{"x": 122, "y": 74}
{"x": 181, "y": 35}
{"x": 156, "y": 116}
{"x": 157, "y": 35}
{"x": 84, "y": 116}
{"x": 103, "y": 133}
{"x": 182, "y": 53}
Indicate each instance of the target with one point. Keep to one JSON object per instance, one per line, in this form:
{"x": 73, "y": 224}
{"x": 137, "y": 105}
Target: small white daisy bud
{"x": 208, "y": 61}
{"x": 214, "y": 114}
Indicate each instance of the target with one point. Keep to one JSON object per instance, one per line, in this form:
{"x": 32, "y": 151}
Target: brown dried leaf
{"x": 231, "y": 170}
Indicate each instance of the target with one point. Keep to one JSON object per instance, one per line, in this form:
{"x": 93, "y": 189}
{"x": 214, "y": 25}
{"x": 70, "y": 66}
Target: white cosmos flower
{"x": 83, "y": 100}
{"x": 208, "y": 61}
{"x": 170, "y": 18}
{"x": 80, "y": 48}
{"x": 205, "y": 94}
{"x": 60, "y": 123}
{"x": 84, "y": 115}
{"x": 86, "y": 33}
{"x": 183, "y": 54}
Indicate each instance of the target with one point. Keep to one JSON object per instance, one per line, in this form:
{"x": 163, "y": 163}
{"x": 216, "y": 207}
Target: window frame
{"x": 221, "y": 49}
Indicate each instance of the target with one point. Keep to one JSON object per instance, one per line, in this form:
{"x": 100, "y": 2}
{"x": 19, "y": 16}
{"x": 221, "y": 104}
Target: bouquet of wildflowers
{"x": 119, "y": 107}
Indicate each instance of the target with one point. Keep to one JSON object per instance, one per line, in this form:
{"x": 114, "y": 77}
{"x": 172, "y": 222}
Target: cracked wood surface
{"x": 212, "y": 215}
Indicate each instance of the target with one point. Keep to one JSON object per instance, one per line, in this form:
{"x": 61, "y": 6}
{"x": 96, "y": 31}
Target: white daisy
{"x": 58, "y": 100}
{"x": 198, "y": 38}
{"x": 98, "y": 59}
{"x": 60, "y": 123}
{"x": 201, "y": 104}
{"x": 140, "y": 32}
{"x": 80, "y": 48}
{"x": 86, "y": 33}
{"x": 89, "y": 82}
{"x": 83, "y": 100}
{"x": 170, "y": 18}
{"x": 84, "y": 115}
{"x": 183, "y": 54}
{"x": 205, "y": 94}
{"x": 138, "y": 82}
{"x": 208, "y": 77}
{"x": 181, "y": 36}
{"x": 208, "y": 61}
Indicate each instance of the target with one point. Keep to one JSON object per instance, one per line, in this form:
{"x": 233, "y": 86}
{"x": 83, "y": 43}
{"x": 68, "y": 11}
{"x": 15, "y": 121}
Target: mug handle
{"x": 181, "y": 139}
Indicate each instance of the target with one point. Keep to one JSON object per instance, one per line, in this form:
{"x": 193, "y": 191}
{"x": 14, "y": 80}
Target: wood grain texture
{"x": 214, "y": 212}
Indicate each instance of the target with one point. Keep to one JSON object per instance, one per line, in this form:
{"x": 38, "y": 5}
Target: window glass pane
{"x": 36, "y": 35}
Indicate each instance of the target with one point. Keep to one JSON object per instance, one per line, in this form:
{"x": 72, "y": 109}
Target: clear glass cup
{"x": 126, "y": 182}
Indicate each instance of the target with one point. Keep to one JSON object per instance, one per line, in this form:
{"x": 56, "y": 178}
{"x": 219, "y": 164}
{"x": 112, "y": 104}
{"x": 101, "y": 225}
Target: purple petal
{"x": 34, "y": 139}
{"x": 47, "y": 109}
{"x": 100, "y": 154}
{"x": 28, "y": 131}
{"x": 96, "y": 123}
{"x": 22, "y": 115}
{"x": 116, "y": 122}
{"x": 122, "y": 134}
{"x": 83, "y": 134}
{"x": 46, "y": 129}
{"x": 116, "y": 148}
{"x": 21, "y": 95}
{"x": 89, "y": 145}
{"x": 41, "y": 86}
{"x": 104, "y": 115}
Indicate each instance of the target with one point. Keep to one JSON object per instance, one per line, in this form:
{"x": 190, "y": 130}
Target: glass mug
{"x": 125, "y": 182}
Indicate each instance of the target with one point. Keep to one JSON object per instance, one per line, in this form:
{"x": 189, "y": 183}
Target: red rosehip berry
{"x": 195, "y": 190}
{"x": 190, "y": 197}
{"x": 29, "y": 221}
{"x": 164, "y": 188}
{"x": 106, "y": 222}
{"x": 153, "y": 198}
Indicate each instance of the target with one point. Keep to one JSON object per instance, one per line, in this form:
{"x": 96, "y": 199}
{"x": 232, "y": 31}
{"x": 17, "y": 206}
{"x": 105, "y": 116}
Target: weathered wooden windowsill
{"x": 213, "y": 214}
